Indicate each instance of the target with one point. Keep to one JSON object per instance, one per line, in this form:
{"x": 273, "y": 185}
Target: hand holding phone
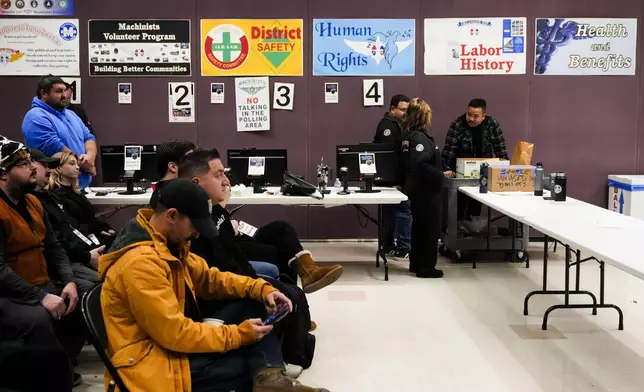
{"x": 281, "y": 312}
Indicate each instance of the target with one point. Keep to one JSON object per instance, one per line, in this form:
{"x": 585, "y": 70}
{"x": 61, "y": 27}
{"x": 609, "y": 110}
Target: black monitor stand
{"x": 129, "y": 183}
{"x": 368, "y": 184}
{"x": 257, "y": 184}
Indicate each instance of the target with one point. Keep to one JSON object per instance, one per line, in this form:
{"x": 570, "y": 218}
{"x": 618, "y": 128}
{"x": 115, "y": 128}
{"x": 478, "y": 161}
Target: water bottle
{"x": 538, "y": 180}
{"x": 483, "y": 177}
{"x": 337, "y": 185}
{"x": 560, "y": 187}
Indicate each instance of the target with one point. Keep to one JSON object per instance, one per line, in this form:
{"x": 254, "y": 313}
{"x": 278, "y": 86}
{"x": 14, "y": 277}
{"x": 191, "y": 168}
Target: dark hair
{"x": 396, "y": 99}
{"x": 478, "y": 103}
{"x": 47, "y": 82}
{"x": 197, "y": 162}
{"x": 172, "y": 151}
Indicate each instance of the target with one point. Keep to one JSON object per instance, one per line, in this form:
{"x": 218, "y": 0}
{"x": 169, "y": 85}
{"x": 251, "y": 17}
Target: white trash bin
{"x": 626, "y": 195}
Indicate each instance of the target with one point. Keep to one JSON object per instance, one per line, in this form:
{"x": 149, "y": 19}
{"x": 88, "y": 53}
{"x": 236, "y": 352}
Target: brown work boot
{"x": 313, "y": 277}
{"x": 273, "y": 380}
{"x": 313, "y": 326}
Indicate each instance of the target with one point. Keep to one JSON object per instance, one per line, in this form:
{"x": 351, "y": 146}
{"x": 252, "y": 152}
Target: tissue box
{"x": 470, "y": 167}
{"x": 511, "y": 178}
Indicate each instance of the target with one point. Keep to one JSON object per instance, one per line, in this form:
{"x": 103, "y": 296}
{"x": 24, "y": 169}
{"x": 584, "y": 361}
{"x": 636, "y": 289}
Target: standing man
{"x": 472, "y": 135}
{"x": 396, "y": 218}
{"x": 50, "y": 127}
{"x": 77, "y": 108}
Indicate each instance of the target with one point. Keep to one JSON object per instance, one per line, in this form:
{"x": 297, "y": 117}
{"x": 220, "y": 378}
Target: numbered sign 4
{"x": 76, "y": 89}
{"x": 373, "y": 92}
{"x": 181, "y": 103}
{"x": 283, "y": 96}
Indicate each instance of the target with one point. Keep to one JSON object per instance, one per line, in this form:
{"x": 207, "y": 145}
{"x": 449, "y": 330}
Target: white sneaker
{"x": 293, "y": 371}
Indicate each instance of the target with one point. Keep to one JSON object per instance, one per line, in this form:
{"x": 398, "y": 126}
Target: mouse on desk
{"x": 101, "y": 193}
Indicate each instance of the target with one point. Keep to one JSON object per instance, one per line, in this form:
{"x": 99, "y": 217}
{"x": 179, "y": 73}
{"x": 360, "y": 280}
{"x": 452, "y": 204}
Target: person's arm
{"x": 421, "y": 161}
{"x": 55, "y": 254}
{"x": 155, "y": 307}
{"x": 451, "y": 148}
{"x": 498, "y": 141}
{"x": 385, "y": 132}
{"x": 40, "y": 134}
{"x": 11, "y": 284}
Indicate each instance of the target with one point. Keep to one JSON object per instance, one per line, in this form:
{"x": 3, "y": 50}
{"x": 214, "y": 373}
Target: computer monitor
{"x": 348, "y": 156}
{"x": 274, "y": 167}
{"x": 113, "y": 165}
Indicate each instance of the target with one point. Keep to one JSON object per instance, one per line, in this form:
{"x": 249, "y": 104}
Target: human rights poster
{"x": 483, "y": 46}
{"x": 139, "y": 47}
{"x": 251, "y": 47}
{"x": 585, "y": 46}
{"x": 38, "y": 47}
{"x": 36, "y": 7}
{"x": 364, "y": 47}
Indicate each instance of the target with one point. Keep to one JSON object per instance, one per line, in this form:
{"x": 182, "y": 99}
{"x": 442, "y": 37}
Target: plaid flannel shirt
{"x": 460, "y": 144}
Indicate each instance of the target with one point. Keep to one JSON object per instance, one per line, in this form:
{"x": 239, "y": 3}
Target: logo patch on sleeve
{"x": 420, "y": 147}
{"x": 387, "y": 132}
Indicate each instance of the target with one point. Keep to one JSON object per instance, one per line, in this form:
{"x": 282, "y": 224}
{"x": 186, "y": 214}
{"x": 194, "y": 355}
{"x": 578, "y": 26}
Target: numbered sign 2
{"x": 181, "y": 102}
{"x": 373, "y": 92}
{"x": 283, "y": 96}
{"x": 76, "y": 89}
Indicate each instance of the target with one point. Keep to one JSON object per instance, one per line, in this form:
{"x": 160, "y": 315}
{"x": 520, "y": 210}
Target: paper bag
{"x": 522, "y": 154}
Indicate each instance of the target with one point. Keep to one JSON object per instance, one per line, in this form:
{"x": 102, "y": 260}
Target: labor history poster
{"x": 252, "y": 100}
{"x": 36, "y": 47}
{"x": 37, "y": 7}
{"x": 475, "y": 46}
{"x": 142, "y": 47}
{"x": 251, "y": 47}
{"x": 364, "y": 47}
{"x": 585, "y": 46}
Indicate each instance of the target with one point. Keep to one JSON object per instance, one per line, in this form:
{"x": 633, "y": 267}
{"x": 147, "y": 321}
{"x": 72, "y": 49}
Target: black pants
{"x": 28, "y": 368}
{"x": 234, "y": 370}
{"x": 426, "y": 212}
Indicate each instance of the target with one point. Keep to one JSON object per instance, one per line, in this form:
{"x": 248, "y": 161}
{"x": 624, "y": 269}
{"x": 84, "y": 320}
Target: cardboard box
{"x": 470, "y": 167}
{"x": 511, "y": 178}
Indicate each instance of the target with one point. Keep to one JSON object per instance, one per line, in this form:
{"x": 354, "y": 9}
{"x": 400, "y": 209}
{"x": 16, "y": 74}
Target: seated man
{"x": 40, "y": 310}
{"x": 472, "y": 135}
{"x": 156, "y": 337}
{"x": 169, "y": 155}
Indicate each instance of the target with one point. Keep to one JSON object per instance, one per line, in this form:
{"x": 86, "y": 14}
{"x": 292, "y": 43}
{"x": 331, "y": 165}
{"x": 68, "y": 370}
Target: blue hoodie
{"x": 49, "y": 130}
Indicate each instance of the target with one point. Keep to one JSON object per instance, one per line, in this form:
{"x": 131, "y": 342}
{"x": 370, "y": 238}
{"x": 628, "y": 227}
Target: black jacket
{"x": 389, "y": 131}
{"x": 80, "y": 112}
{"x": 422, "y": 162}
{"x": 80, "y": 212}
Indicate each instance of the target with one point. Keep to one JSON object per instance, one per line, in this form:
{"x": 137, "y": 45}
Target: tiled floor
{"x": 465, "y": 332}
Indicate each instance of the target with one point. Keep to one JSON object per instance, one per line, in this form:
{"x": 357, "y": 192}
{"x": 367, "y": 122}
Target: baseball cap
{"x": 11, "y": 152}
{"x": 40, "y": 156}
{"x": 190, "y": 200}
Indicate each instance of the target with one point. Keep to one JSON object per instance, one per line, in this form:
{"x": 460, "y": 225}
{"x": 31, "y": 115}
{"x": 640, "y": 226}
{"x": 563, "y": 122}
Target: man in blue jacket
{"x": 50, "y": 127}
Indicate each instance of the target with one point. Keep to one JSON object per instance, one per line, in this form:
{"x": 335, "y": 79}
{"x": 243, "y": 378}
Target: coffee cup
{"x": 214, "y": 321}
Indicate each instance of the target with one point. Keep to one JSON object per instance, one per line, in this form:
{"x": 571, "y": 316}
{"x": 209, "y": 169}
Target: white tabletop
{"x": 611, "y": 237}
{"x": 386, "y": 196}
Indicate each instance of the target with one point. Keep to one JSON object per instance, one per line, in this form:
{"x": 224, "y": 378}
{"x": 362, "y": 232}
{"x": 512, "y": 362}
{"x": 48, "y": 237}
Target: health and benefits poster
{"x": 585, "y": 46}
{"x": 37, "y": 7}
{"x": 251, "y": 47}
{"x": 364, "y": 47}
{"x": 476, "y": 46}
{"x": 145, "y": 47}
{"x": 36, "y": 47}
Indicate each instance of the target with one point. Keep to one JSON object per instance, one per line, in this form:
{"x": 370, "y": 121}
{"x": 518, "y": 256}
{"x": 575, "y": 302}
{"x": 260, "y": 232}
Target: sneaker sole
{"x": 400, "y": 258}
{"x": 326, "y": 280}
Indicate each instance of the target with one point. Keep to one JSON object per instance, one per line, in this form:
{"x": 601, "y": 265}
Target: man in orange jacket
{"x": 157, "y": 339}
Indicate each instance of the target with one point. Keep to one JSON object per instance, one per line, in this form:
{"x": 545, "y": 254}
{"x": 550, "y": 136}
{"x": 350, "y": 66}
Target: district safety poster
{"x": 585, "y": 46}
{"x": 251, "y": 47}
{"x": 476, "y": 46}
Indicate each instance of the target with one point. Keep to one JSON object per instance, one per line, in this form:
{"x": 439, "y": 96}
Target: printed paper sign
{"x": 256, "y": 166}
{"x": 373, "y": 92}
{"x": 125, "y": 93}
{"x": 142, "y": 47}
{"x": 39, "y": 47}
{"x": 247, "y": 229}
{"x": 367, "y": 163}
{"x": 585, "y": 46}
{"x": 251, "y": 47}
{"x": 216, "y": 93}
{"x": 283, "y": 96}
{"x": 181, "y": 102}
{"x": 486, "y": 46}
{"x": 37, "y": 7}
{"x": 331, "y": 93}
{"x": 133, "y": 157}
{"x": 376, "y": 47}
{"x": 252, "y": 99}
{"x": 75, "y": 83}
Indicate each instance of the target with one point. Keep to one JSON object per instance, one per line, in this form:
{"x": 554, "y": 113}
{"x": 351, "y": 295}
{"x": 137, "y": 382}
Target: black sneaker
{"x": 401, "y": 255}
{"x": 78, "y": 380}
{"x": 435, "y": 273}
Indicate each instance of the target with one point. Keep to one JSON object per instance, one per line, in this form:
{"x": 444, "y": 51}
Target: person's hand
{"x": 86, "y": 162}
{"x": 449, "y": 174}
{"x": 235, "y": 227}
{"x": 260, "y": 329}
{"x": 54, "y": 305}
{"x": 108, "y": 233}
{"x": 275, "y": 298}
{"x": 94, "y": 254}
{"x": 69, "y": 292}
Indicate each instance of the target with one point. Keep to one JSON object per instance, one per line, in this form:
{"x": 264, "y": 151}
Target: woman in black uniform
{"x": 423, "y": 186}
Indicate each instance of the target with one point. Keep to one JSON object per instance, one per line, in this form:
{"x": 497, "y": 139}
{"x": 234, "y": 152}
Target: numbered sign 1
{"x": 374, "y": 92}
{"x": 76, "y": 89}
{"x": 283, "y": 96}
{"x": 181, "y": 102}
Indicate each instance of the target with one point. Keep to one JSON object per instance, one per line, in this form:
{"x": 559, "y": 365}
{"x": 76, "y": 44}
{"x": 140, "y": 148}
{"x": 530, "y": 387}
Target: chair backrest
{"x": 93, "y": 314}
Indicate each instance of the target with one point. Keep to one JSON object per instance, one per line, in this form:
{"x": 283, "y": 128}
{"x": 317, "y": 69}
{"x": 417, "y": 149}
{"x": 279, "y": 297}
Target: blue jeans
{"x": 265, "y": 270}
{"x": 397, "y": 226}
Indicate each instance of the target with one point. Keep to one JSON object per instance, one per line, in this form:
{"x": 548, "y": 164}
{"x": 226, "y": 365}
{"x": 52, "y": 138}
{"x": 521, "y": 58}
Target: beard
{"x": 57, "y": 105}
{"x": 28, "y": 187}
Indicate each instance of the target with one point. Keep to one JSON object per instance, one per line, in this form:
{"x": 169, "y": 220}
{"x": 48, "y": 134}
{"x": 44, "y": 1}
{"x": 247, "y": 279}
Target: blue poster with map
{"x": 364, "y": 47}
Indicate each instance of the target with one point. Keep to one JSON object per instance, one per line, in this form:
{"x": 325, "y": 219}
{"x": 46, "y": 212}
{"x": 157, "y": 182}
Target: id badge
{"x": 82, "y": 237}
{"x": 94, "y": 239}
{"x": 247, "y": 229}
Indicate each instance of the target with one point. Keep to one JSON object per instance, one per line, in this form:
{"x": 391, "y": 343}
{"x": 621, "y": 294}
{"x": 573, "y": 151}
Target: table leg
{"x": 380, "y": 250}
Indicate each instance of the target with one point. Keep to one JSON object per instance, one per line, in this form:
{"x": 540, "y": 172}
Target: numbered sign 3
{"x": 373, "y": 92}
{"x": 181, "y": 102}
{"x": 283, "y": 96}
{"x": 76, "y": 89}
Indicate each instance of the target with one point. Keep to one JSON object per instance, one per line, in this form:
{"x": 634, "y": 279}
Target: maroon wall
{"x": 588, "y": 127}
